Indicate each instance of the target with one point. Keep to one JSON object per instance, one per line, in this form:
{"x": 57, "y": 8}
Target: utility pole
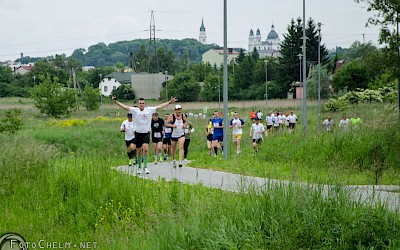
{"x": 319, "y": 77}
{"x": 226, "y": 144}
{"x": 34, "y": 84}
{"x": 101, "y": 96}
{"x": 266, "y": 88}
{"x": 152, "y": 46}
{"x": 304, "y": 68}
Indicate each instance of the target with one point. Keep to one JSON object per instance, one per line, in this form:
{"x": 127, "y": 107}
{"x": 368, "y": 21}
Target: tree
{"x": 312, "y": 83}
{"x": 91, "y": 98}
{"x": 289, "y": 70}
{"x": 210, "y": 88}
{"x": 351, "y": 75}
{"x": 124, "y": 91}
{"x": 291, "y": 48}
{"x": 52, "y": 99}
{"x": 185, "y": 87}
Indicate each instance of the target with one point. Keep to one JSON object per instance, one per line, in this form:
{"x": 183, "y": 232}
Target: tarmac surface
{"x": 389, "y": 196}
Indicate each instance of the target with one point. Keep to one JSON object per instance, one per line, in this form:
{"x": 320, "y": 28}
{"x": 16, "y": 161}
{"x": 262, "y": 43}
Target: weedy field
{"x": 57, "y": 184}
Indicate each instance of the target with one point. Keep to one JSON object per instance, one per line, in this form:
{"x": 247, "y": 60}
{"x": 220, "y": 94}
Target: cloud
{"x": 11, "y": 4}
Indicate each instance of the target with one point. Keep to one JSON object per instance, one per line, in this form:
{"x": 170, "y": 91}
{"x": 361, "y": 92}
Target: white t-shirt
{"x": 282, "y": 119}
{"x": 344, "y": 123}
{"x": 129, "y": 129}
{"x": 235, "y": 123}
{"x": 328, "y": 124}
{"x": 142, "y": 118}
{"x": 269, "y": 120}
{"x": 257, "y": 130}
{"x": 292, "y": 118}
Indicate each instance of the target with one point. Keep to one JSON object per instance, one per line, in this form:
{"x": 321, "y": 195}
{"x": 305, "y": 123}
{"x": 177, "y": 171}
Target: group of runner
{"x": 165, "y": 135}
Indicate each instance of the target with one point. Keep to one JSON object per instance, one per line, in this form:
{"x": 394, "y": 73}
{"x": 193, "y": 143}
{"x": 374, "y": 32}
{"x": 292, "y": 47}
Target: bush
{"x": 53, "y": 100}
{"x": 336, "y": 105}
{"x": 11, "y": 122}
{"x": 91, "y": 98}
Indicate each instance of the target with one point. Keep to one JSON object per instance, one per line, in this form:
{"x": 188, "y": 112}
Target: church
{"x": 269, "y": 47}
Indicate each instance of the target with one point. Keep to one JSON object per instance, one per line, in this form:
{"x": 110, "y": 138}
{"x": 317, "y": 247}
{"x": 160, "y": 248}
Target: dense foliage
{"x": 52, "y": 99}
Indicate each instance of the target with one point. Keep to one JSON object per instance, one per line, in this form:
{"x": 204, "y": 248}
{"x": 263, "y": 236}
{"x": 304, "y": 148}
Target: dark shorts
{"x": 258, "y": 141}
{"x": 209, "y": 137}
{"x": 142, "y": 138}
{"x": 218, "y": 138}
{"x": 167, "y": 141}
{"x": 176, "y": 138}
{"x": 156, "y": 140}
{"x": 292, "y": 125}
{"x": 269, "y": 127}
{"x": 128, "y": 143}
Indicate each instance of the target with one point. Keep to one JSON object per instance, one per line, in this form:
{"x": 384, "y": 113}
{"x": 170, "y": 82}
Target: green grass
{"x": 57, "y": 183}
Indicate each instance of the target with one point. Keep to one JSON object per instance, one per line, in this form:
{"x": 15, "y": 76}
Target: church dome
{"x": 258, "y": 33}
{"x": 272, "y": 35}
{"x": 251, "y": 32}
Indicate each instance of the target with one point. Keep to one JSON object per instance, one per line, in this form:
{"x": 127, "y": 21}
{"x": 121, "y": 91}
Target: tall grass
{"x": 57, "y": 183}
{"x": 79, "y": 198}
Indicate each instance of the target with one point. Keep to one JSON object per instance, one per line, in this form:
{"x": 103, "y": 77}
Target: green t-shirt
{"x": 356, "y": 122}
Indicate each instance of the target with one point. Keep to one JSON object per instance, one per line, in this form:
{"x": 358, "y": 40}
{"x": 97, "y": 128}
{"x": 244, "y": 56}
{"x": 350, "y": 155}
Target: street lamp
{"x": 266, "y": 87}
{"x": 166, "y": 89}
{"x": 101, "y": 96}
{"x": 34, "y": 84}
{"x": 304, "y": 69}
{"x": 219, "y": 90}
{"x": 300, "y": 56}
{"x": 319, "y": 76}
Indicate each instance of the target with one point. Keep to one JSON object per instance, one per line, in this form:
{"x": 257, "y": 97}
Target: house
{"x": 216, "y": 56}
{"x": 22, "y": 70}
{"x": 143, "y": 84}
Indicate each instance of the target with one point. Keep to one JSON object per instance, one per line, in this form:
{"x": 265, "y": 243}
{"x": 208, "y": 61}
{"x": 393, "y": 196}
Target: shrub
{"x": 336, "y": 105}
{"x": 53, "y": 100}
{"x": 11, "y": 122}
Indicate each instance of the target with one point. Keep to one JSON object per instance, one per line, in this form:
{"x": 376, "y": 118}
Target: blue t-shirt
{"x": 217, "y": 122}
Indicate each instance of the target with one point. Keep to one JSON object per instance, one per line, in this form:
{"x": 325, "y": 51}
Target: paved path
{"x": 388, "y": 195}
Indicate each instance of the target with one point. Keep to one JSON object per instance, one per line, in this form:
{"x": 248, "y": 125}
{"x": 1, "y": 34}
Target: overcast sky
{"x": 48, "y": 27}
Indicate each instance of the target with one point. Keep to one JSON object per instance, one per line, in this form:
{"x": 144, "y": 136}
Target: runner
{"x": 218, "y": 137}
{"x": 269, "y": 121}
{"x": 188, "y": 130}
{"x": 142, "y": 116}
{"x": 256, "y": 133}
{"x": 292, "y": 121}
{"x": 157, "y": 128}
{"x": 210, "y": 133}
{"x": 236, "y": 124}
{"x": 167, "y": 140}
{"x": 177, "y": 122}
{"x": 128, "y": 128}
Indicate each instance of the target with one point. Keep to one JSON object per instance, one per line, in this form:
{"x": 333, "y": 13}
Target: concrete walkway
{"x": 388, "y": 195}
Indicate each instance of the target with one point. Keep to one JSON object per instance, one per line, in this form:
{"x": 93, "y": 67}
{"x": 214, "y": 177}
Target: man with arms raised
{"x": 142, "y": 116}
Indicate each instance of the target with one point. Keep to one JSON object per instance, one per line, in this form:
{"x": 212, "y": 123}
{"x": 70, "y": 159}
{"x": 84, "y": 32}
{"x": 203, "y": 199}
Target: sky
{"x": 48, "y": 27}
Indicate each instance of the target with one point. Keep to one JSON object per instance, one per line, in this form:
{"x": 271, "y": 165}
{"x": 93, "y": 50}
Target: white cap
{"x": 178, "y": 106}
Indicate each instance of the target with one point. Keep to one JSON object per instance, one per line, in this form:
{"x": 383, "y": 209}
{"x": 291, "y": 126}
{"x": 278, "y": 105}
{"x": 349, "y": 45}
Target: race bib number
{"x": 216, "y": 124}
{"x": 168, "y": 130}
{"x": 186, "y": 131}
{"x": 157, "y": 135}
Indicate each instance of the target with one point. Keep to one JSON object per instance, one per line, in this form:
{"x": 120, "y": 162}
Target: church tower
{"x": 251, "y": 40}
{"x": 202, "y": 36}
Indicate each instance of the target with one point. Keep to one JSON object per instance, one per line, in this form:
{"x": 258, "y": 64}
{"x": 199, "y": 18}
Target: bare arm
{"x": 165, "y": 104}
{"x": 169, "y": 119}
{"x": 120, "y": 104}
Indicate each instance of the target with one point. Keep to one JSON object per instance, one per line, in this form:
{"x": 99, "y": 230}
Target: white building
{"x": 269, "y": 47}
{"x": 111, "y": 82}
{"x": 202, "y": 36}
{"x": 216, "y": 56}
{"x": 144, "y": 85}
